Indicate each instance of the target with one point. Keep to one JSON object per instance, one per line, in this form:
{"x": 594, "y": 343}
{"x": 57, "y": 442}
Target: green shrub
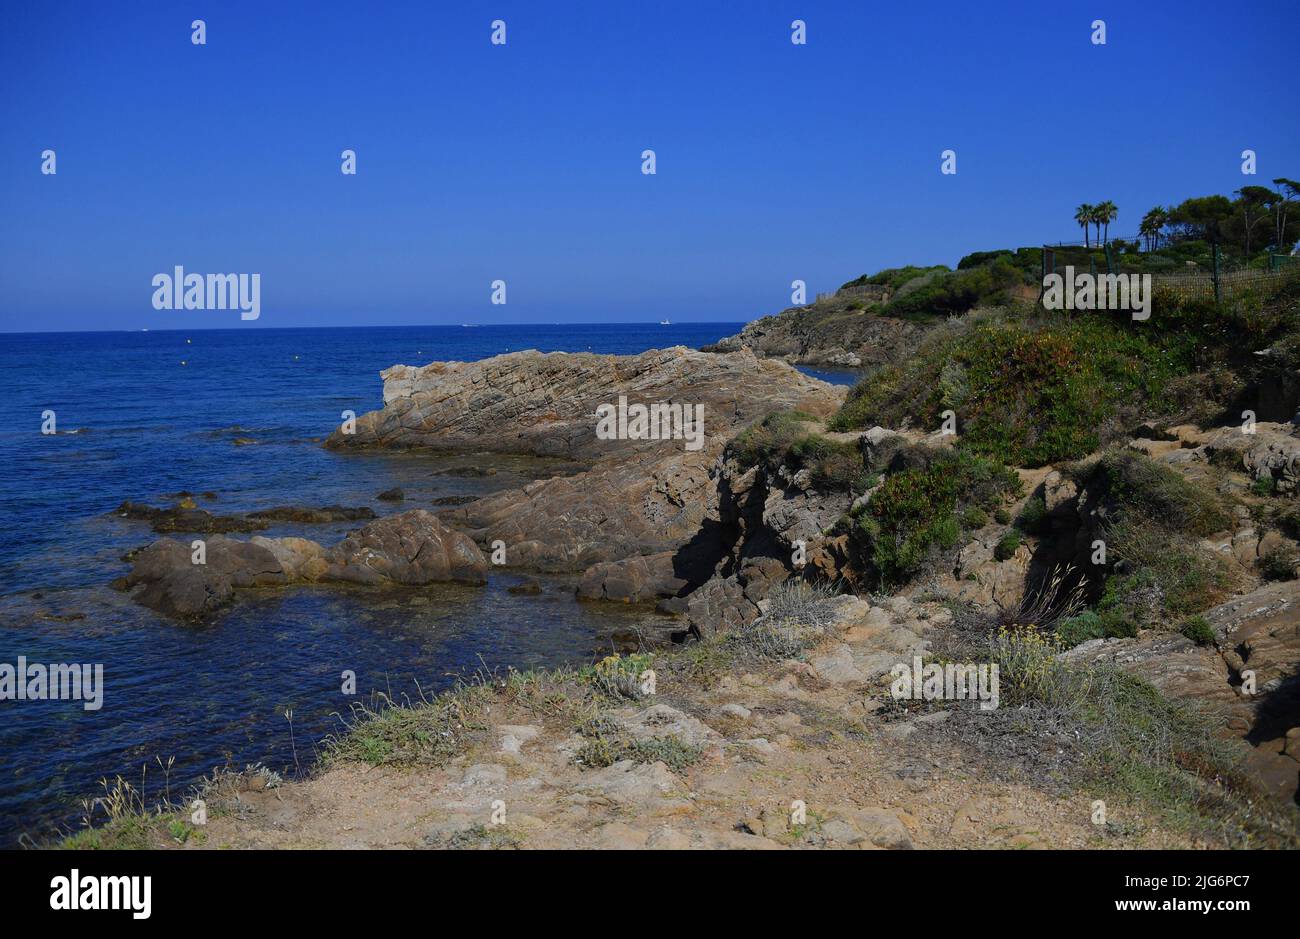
{"x": 424, "y": 732}
{"x": 1086, "y": 625}
{"x": 973, "y": 517}
{"x": 1032, "y": 515}
{"x": 1146, "y": 489}
{"x": 1279, "y": 564}
{"x": 1001, "y": 515}
{"x": 769, "y": 441}
{"x": 1007, "y": 544}
{"x": 1199, "y": 630}
{"x": 957, "y": 292}
{"x": 1263, "y": 486}
{"x": 782, "y": 439}
{"x": 1288, "y": 521}
{"x": 916, "y": 509}
{"x": 1039, "y": 391}
{"x": 1186, "y": 578}
{"x": 946, "y": 532}
{"x": 895, "y": 277}
{"x": 599, "y": 751}
{"x": 833, "y": 466}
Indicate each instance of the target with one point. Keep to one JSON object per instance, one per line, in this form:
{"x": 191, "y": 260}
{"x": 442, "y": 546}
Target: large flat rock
{"x": 545, "y": 404}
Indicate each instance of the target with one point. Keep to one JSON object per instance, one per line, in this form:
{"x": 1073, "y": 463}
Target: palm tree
{"x": 1107, "y": 211}
{"x": 1152, "y": 224}
{"x": 1094, "y": 216}
{"x": 1082, "y": 218}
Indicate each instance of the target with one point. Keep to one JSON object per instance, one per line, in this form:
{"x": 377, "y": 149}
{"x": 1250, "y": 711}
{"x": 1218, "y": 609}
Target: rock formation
{"x": 411, "y": 548}
{"x": 829, "y": 336}
{"x": 545, "y": 404}
{"x": 643, "y": 520}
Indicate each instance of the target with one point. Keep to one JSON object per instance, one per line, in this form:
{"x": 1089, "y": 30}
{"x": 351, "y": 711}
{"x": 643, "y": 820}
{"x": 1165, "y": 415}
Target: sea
{"x": 236, "y": 418}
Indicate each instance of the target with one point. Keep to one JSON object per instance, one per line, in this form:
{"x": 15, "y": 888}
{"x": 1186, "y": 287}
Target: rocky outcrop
{"x": 636, "y": 508}
{"x": 164, "y": 577}
{"x": 412, "y": 548}
{"x": 186, "y": 517}
{"x": 1251, "y": 673}
{"x": 1272, "y": 451}
{"x": 774, "y": 524}
{"x": 641, "y": 520}
{"x": 830, "y": 335}
{"x": 545, "y": 404}
{"x": 314, "y": 516}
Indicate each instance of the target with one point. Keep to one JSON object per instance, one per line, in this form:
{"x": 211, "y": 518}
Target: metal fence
{"x": 1221, "y": 284}
{"x": 1221, "y": 280}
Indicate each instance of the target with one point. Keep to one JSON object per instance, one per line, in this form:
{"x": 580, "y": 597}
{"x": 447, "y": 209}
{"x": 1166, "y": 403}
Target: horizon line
{"x": 216, "y": 329}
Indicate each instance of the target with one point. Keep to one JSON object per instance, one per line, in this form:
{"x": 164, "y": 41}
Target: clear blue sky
{"x": 522, "y": 162}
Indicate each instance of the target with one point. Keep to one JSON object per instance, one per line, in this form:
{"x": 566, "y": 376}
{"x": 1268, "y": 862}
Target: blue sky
{"x": 522, "y": 162}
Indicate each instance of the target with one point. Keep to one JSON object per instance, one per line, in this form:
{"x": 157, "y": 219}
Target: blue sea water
{"x": 239, "y": 414}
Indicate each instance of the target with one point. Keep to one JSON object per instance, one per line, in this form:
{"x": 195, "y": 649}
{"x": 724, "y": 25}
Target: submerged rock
{"x": 186, "y": 517}
{"x": 308, "y": 515}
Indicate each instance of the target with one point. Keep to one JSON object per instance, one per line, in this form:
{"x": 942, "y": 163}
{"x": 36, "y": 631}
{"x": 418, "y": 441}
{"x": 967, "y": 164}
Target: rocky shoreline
{"x": 713, "y": 536}
{"x": 639, "y": 519}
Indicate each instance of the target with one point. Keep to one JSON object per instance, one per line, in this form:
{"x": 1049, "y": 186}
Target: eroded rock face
{"x": 545, "y": 404}
{"x": 642, "y": 520}
{"x": 1272, "y": 451}
{"x": 612, "y": 512}
{"x": 411, "y": 548}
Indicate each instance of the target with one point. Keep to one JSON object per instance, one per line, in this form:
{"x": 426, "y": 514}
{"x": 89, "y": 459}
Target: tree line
{"x": 1256, "y": 219}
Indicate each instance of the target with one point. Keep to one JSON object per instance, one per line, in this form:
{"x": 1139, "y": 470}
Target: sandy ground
{"x": 821, "y": 736}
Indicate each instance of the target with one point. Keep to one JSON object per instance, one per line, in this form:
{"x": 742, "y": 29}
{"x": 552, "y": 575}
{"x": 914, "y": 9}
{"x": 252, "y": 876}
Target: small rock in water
{"x": 392, "y": 495}
{"x": 454, "y": 500}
